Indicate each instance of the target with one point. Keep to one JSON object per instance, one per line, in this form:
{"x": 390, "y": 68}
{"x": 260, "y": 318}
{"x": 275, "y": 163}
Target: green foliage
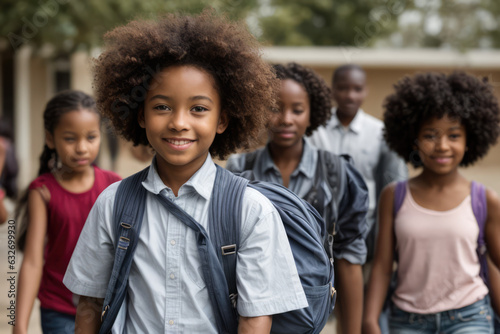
{"x": 68, "y": 25}
{"x": 454, "y": 24}
{"x": 327, "y": 22}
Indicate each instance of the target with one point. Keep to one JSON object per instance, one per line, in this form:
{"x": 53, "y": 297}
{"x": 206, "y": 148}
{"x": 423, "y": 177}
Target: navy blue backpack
{"x": 306, "y": 233}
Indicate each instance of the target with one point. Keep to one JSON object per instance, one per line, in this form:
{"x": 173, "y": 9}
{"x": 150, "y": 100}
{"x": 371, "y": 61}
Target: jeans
{"x": 497, "y": 324}
{"x": 476, "y": 318}
{"x": 54, "y": 322}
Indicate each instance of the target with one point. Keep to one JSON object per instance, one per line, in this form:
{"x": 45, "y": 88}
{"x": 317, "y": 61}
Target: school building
{"x": 29, "y": 77}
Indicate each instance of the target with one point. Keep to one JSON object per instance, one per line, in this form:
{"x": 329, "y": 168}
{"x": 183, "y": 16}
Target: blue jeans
{"x": 54, "y": 322}
{"x": 476, "y": 318}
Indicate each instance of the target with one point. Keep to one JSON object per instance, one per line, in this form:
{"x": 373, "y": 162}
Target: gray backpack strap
{"x": 129, "y": 206}
{"x": 331, "y": 167}
{"x": 225, "y": 222}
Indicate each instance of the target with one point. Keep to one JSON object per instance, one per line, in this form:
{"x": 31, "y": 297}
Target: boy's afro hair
{"x": 135, "y": 52}
{"x": 316, "y": 88}
{"x": 428, "y": 95}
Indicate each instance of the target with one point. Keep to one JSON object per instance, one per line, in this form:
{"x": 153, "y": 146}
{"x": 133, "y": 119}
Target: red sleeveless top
{"x": 66, "y": 215}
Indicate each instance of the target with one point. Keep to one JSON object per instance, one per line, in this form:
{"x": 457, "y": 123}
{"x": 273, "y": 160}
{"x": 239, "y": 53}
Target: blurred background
{"x": 47, "y": 45}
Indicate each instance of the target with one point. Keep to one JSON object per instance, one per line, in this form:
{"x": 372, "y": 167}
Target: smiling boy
{"x": 199, "y": 104}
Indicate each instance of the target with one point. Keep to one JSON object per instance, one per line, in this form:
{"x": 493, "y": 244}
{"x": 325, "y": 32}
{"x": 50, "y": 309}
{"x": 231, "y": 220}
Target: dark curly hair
{"x": 135, "y": 52}
{"x": 339, "y": 71}
{"x": 458, "y": 95}
{"x": 318, "y": 91}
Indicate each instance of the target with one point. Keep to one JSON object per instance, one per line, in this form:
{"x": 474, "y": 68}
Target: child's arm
{"x": 3, "y": 153}
{"x": 492, "y": 231}
{"x": 255, "y": 325}
{"x": 30, "y": 273}
{"x": 88, "y": 315}
{"x": 349, "y": 250}
{"x": 3, "y": 210}
{"x": 349, "y": 282}
{"x": 492, "y": 235}
{"x": 380, "y": 276}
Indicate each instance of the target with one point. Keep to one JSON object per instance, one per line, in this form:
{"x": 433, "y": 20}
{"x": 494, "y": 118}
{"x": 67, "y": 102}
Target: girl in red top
{"x": 55, "y": 208}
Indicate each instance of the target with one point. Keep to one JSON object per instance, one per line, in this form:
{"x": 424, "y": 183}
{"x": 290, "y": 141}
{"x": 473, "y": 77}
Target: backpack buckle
{"x": 123, "y": 242}
{"x": 234, "y": 299}
{"x": 106, "y": 308}
{"x": 229, "y": 249}
{"x": 332, "y": 291}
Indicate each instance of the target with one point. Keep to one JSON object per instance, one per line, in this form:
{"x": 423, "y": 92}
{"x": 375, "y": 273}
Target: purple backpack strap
{"x": 399, "y": 196}
{"x": 480, "y": 210}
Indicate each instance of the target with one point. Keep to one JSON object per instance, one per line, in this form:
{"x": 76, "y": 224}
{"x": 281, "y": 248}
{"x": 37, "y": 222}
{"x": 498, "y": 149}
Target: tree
{"x": 326, "y": 22}
{"x": 450, "y": 24}
{"x": 69, "y": 25}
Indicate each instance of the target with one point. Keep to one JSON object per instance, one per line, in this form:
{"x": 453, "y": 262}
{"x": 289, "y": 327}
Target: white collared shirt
{"x": 363, "y": 140}
{"x": 166, "y": 291}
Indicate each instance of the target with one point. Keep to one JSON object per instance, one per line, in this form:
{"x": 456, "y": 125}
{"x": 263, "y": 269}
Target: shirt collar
{"x": 306, "y": 165}
{"x": 202, "y": 181}
{"x": 356, "y": 124}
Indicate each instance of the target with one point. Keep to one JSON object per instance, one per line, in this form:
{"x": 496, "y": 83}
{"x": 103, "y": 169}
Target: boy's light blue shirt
{"x": 166, "y": 291}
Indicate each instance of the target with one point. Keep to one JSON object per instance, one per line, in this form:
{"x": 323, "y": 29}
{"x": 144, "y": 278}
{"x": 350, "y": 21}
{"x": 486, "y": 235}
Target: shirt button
{"x": 172, "y": 276}
{"x": 172, "y": 242}
{"x": 171, "y": 322}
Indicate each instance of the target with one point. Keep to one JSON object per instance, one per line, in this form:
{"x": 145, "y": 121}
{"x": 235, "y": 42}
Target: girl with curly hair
{"x": 289, "y": 159}
{"x": 191, "y": 87}
{"x": 53, "y": 209}
{"x": 437, "y": 122}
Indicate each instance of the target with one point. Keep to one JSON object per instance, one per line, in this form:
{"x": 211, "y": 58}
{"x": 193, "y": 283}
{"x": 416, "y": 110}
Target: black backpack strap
{"x": 129, "y": 205}
{"x": 225, "y": 222}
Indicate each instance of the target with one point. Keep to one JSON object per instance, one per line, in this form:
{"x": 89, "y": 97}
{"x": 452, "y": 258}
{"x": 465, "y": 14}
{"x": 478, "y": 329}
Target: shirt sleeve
{"x": 38, "y": 182}
{"x": 90, "y": 266}
{"x": 113, "y": 177}
{"x": 266, "y": 277}
{"x": 349, "y": 243}
{"x": 390, "y": 168}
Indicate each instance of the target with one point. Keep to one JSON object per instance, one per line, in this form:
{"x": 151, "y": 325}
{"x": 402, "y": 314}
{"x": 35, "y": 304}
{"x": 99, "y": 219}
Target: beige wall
{"x": 380, "y": 81}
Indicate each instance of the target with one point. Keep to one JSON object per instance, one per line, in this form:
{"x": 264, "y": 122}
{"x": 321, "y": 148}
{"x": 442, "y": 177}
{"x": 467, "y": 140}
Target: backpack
{"x": 330, "y": 167}
{"x": 304, "y": 227}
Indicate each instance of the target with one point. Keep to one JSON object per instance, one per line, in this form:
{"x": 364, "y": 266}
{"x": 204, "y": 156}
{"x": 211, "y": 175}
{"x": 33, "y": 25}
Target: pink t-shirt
{"x": 66, "y": 215}
{"x": 438, "y": 266}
